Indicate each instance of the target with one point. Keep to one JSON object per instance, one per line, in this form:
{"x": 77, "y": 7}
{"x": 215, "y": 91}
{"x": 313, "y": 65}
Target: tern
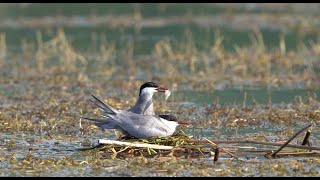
{"x": 136, "y": 125}
{"x": 144, "y": 105}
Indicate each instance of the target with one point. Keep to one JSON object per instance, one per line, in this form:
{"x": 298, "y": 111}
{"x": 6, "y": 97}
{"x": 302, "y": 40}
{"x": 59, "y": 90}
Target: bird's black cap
{"x": 169, "y": 117}
{"x": 148, "y": 84}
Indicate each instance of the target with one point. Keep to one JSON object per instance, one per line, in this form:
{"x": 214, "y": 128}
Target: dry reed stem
{"x": 289, "y": 140}
{"x": 153, "y": 146}
{"x": 306, "y": 138}
{"x": 254, "y": 142}
{"x": 298, "y": 154}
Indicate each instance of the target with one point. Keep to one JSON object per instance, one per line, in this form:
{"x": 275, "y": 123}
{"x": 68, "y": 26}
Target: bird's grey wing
{"x": 141, "y": 126}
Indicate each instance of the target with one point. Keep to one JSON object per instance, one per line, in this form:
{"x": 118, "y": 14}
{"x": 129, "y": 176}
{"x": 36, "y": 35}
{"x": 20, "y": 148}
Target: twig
{"x": 254, "y": 152}
{"x": 254, "y": 142}
{"x": 216, "y": 154}
{"x": 240, "y": 147}
{"x": 306, "y": 138}
{"x": 223, "y": 149}
{"x": 289, "y": 140}
{"x": 298, "y": 154}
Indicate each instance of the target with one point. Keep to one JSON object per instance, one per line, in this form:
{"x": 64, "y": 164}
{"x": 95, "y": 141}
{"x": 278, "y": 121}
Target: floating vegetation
{"x": 180, "y": 145}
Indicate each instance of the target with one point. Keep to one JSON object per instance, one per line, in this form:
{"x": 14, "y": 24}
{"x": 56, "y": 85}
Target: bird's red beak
{"x": 183, "y": 123}
{"x": 161, "y": 89}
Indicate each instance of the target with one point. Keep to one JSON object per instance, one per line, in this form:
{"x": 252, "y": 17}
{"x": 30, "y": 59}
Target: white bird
{"x": 136, "y": 125}
{"x": 144, "y": 105}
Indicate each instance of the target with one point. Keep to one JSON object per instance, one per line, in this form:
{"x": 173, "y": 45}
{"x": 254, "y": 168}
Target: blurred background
{"x": 200, "y": 46}
{"x": 235, "y": 43}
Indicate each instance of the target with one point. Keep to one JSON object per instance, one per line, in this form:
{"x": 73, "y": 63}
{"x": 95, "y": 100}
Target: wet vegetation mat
{"x": 246, "y": 76}
{"x": 183, "y": 146}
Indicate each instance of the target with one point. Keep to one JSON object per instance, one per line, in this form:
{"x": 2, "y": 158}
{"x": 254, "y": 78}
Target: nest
{"x": 177, "y": 145}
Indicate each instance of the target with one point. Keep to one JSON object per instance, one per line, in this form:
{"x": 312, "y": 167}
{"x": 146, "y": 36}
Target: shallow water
{"x": 231, "y": 96}
{"x": 147, "y": 37}
{"x": 143, "y": 39}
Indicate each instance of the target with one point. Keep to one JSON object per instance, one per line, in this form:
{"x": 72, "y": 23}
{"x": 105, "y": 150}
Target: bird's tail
{"x": 103, "y": 123}
{"x": 96, "y": 120}
{"x": 103, "y": 107}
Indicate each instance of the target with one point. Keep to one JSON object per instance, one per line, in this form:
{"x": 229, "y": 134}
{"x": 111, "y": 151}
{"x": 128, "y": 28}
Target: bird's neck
{"x": 144, "y": 105}
{"x": 171, "y": 126}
